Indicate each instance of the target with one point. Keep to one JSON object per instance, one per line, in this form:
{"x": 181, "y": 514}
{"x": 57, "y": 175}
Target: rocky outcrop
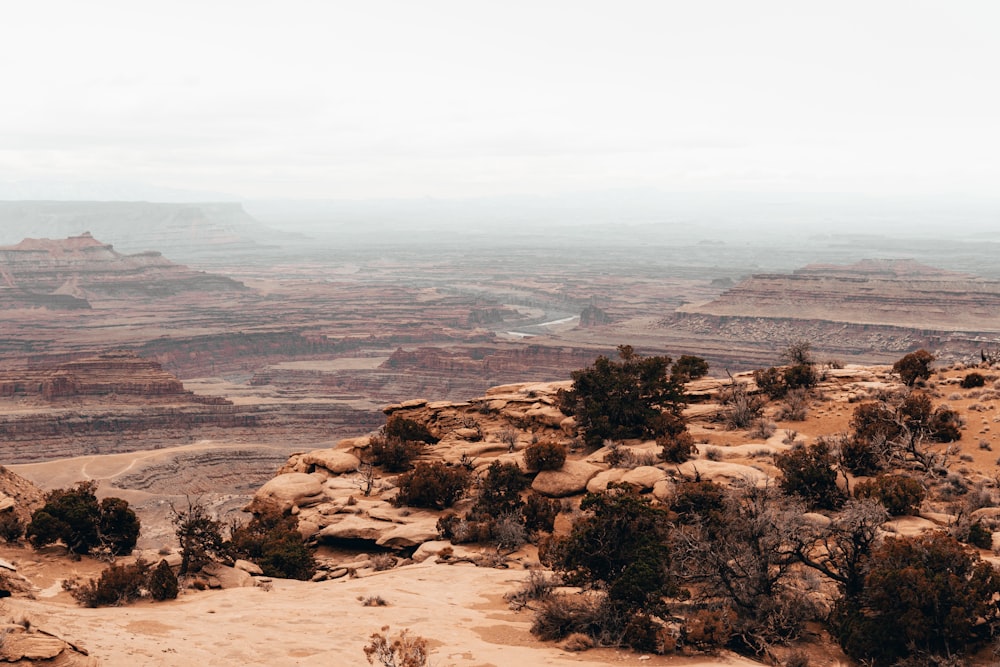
{"x": 118, "y": 373}
{"x": 450, "y": 373}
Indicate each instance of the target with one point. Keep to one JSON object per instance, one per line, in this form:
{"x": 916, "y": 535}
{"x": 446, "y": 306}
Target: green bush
{"x": 914, "y": 366}
{"x": 900, "y": 494}
{"x": 271, "y": 540}
{"x": 623, "y": 399}
{"x": 688, "y": 367}
{"x": 499, "y": 491}
{"x": 162, "y": 582}
{"x": 540, "y": 513}
{"x": 619, "y": 545}
{"x": 394, "y": 454}
{"x": 945, "y": 425}
{"x": 405, "y": 429}
{"x": 75, "y": 517}
{"x": 545, "y": 455}
{"x": 677, "y": 448}
{"x": 808, "y": 472}
{"x": 11, "y": 527}
{"x": 921, "y": 594}
{"x": 972, "y": 380}
{"x": 433, "y": 485}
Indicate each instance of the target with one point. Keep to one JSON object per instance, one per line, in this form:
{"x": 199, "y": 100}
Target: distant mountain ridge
{"x": 180, "y": 231}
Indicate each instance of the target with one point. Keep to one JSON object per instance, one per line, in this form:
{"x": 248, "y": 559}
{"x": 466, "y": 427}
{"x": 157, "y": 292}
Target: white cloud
{"x": 455, "y": 98}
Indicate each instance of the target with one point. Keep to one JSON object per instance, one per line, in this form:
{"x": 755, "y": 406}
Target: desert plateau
{"x": 479, "y": 334}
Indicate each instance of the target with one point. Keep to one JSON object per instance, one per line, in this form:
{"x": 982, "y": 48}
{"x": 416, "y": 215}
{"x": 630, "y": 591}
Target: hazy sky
{"x": 367, "y": 98}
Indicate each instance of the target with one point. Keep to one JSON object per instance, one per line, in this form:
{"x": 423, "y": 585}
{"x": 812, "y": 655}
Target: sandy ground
{"x": 459, "y": 609}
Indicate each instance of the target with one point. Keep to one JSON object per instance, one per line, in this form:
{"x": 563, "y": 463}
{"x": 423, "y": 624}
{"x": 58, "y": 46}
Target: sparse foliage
{"x": 200, "y": 535}
{"x": 403, "y": 650}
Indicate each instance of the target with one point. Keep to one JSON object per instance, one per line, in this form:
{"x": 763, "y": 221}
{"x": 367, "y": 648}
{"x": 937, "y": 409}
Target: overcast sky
{"x": 368, "y": 98}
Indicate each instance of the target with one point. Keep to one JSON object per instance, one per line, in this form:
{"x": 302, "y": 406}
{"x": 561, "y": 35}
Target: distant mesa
{"x": 887, "y": 292}
{"x": 118, "y": 372}
{"x": 74, "y": 272}
{"x": 184, "y": 232}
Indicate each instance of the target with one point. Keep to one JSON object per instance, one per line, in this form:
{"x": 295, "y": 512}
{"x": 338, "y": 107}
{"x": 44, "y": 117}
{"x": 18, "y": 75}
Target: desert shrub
{"x": 698, "y": 502}
{"x": 862, "y": 457}
{"x": 407, "y": 430}
{"x": 979, "y": 536}
{"x": 577, "y": 642}
{"x": 795, "y": 407}
{"x": 538, "y": 586}
{"x": 545, "y": 455}
{"x": 82, "y": 523}
{"x": 399, "y": 651}
{"x": 900, "y": 494}
{"x": 271, "y": 540}
{"x": 499, "y": 491}
{"x": 162, "y": 582}
{"x": 677, "y": 448}
{"x": 394, "y": 454}
{"x": 914, "y": 366}
{"x": 615, "y": 400}
{"x": 540, "y": 513}
{"x": 707, "y": 629}
{"x": 945, "y": 425}
{"x": 200, "y": 536}
{"x": 118, "y": 584}
{"x": 559, "y": 616}
{"x": 11, "y": 527}
{"x": 771, "y": 381}
{"x": 740, "y": 408}
{"x": 508, "y": 532}
{"x": 762, "y": 429}
{"x": 433, "y": 485}
{"x": 384, "y": 561}
{"x": 800, "y": 376}
{"x": 923, "y": 593}
{"x": 118, "y": 527}
{"x": 688, "y": 367}
{"x": 973, "y": 380}
{"x": 808, "y": 472}
{"x": 619, "y": 456}
{"x": 618, "y": 545}
{"x": 875, "y": 421}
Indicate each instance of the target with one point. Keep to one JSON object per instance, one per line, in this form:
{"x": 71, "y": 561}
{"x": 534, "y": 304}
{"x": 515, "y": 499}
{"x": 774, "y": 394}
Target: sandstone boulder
{"x": 336, "y": 461}
{"x": 223, "y": 576}
{"x": 644, "y": 477}
{"x": 721, "y": 471}
{"x": 600, "y": 481}
{"x": 248, "y": 567}
{"x": 294, "y": 489}
{"x": 571, "y": 479}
